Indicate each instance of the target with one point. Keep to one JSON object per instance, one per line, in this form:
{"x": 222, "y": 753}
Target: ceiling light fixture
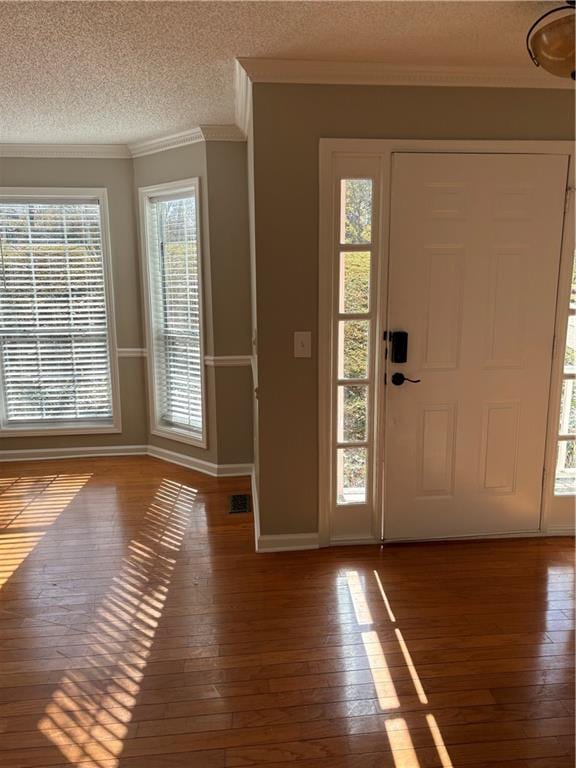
{"x": 552, "y": 46}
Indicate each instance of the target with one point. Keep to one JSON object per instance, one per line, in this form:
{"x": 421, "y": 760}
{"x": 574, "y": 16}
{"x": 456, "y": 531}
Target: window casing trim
{"x": 75, "y": 195}
{"x": 170, "y": 190}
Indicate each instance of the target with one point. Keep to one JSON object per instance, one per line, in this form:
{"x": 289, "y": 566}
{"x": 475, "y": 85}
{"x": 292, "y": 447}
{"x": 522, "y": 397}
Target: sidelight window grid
{"x": 354, "y": 329}
{"x": 565, "y": 481}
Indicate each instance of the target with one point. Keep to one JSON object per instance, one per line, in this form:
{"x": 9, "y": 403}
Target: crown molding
{"x": 97, "y": 151}
{"x": 299, "y": 71}
{"x": 151, "y": 146}
{"x": 222, "y": 133}
{"x": 125, "y": 151}
{"x": 194, "y": 136}
{"x": 242, "y": 98}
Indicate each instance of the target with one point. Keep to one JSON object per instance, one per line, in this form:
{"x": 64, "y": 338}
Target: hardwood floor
{"x": 138, "y": 629}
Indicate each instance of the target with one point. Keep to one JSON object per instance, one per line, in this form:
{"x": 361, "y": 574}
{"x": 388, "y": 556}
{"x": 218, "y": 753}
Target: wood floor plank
{"x": 139, "y": 629}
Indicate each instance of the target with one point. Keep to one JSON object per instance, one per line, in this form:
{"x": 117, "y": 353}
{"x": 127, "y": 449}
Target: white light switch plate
{"x": 302, "y": 344}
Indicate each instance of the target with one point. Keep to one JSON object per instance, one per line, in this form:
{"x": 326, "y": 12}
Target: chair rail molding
{"x": 227, "y": 361}
{"x": 132, "y": 352}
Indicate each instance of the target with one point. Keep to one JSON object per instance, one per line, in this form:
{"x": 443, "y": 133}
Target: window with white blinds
{"x": 175, "y": 310}
{"x": 55, "y": 330}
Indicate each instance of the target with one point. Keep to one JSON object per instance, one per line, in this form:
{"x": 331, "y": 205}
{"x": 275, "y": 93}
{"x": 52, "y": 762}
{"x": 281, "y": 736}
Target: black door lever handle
{"x": 398, "y": 379}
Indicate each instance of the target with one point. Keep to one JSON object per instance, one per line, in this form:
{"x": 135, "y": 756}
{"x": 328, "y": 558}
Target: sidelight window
{"x": 354, "y": 329}
{"x": 565, "y": 483}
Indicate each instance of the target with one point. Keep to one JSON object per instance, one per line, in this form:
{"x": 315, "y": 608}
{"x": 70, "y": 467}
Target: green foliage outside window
{"x": 356, "y": 299}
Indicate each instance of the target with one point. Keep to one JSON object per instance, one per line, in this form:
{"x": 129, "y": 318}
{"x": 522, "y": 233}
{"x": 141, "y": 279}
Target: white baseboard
{"x": 530, "y": 534}
{"x": 255, "y": 506}
{"x": 286, "y": 542}
{"x": 296, "y": 541}
{"x": 233, "y": 470}
{"x": 41, "y": 454}
{"x": 335, "y": 541}
{"x": 206, "y": 467}
{"x": 200, "y": 465}
{"x": 264, "y": 543}
{"x": 560, "y": 530}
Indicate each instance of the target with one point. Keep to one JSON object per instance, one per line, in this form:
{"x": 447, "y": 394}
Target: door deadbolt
{"x": 398, "y": 345}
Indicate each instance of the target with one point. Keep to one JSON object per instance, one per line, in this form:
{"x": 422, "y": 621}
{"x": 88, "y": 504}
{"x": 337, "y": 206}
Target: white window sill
{"x": 181, "y": 435}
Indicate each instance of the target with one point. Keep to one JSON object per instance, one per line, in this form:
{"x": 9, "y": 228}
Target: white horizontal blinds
{"x": 176, "y": 311}
{"x": 54, "y": 346}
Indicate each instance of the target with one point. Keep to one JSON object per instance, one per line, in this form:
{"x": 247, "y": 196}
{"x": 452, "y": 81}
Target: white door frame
{"x": 385, "y": 148}
{"x": 549, "y": 500}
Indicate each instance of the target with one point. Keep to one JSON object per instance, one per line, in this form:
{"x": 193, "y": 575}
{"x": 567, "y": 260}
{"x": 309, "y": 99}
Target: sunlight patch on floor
{"x": 411, "y": 668}
{"x": 384, "y": 598}
{"x": 385, "y": 688}
{"x": 439, "y": 741}
{"x": 28, "y": 507}
{"x": 363, "y": 614}
{"x": 89, "y": 714}
{"x": 401, "y": 743}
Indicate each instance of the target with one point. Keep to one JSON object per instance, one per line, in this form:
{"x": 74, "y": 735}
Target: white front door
{"x": 475, "y": 242}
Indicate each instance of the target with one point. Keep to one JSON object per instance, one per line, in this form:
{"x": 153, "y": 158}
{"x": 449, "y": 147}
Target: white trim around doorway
{"x": 385, "y": 148}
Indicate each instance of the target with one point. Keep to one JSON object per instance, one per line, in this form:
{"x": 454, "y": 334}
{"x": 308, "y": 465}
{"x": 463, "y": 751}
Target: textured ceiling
{"x": 125, "y": 71}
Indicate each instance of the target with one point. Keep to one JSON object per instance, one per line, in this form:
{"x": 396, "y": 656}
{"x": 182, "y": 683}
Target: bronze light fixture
{"x": 552, "y": 45}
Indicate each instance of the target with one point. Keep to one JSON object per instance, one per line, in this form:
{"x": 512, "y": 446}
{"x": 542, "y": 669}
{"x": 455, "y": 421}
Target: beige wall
{"x": 229, "y": 246}
{"x": 230, "y": 285}
{"x": 116, "y": 177}
{"x": 226, "y": 271}
{"x": 234, "y": 414}
{"x": 175, "y": 164}
{"x": 172, "y": 165}
{"x": 221, "y": 168}
{"x": 289, "y": 121}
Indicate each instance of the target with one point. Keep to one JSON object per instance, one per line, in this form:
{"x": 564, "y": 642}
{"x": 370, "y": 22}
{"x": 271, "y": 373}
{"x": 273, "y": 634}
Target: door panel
{"x": 443, "y": 296}
{"x": 474, "y": 253}
{"x": 437, "y": 449}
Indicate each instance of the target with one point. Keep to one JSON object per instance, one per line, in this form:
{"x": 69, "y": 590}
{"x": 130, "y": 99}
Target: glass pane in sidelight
{"x": 352, "y": 413}
{"x": 351, "y": 475}
{"x": 567, "y": 424}
{"x": 355, "y": 211}
{"x": 566, "y": 468}
{"x": 354, "y": 282}
{"x": 353, "y": 349}
{"x": 570, "y": 356}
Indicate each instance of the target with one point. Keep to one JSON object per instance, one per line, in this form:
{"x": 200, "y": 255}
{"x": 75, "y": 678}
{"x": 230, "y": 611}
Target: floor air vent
{"x": 240, "y": 502}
